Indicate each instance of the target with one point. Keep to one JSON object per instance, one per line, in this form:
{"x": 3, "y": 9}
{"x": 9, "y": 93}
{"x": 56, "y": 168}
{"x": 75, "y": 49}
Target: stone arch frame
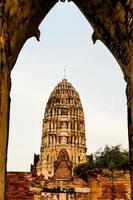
{"x": 112, "y": 22}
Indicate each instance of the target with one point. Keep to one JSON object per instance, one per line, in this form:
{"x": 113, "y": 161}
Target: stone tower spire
{"x": 63, "y": 128}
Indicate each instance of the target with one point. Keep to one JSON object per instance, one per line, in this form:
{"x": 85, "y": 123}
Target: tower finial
{"x": 64, "y": 73}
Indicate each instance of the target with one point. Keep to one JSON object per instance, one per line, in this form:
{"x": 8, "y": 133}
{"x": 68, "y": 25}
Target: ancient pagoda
{"x": 63, "y": 129}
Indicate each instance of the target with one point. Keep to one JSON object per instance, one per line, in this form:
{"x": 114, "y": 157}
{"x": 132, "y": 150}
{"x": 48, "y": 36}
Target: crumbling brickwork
{"x": 110, "y": 185}
{"x": 101, "y": 186}
{"x": 17, "y": 187}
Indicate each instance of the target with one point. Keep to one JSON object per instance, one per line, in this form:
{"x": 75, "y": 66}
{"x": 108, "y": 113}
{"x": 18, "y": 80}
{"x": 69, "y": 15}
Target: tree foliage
{"x": 113, "y": 157}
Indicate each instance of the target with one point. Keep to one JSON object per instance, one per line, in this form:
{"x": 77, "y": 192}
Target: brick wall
{"x": 103, "y": 186}
{"x": 109, "y": 185}
{"x": 17, "y": 186}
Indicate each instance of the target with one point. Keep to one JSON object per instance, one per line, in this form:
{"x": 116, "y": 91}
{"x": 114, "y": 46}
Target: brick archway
{"x": 112, "y": 22}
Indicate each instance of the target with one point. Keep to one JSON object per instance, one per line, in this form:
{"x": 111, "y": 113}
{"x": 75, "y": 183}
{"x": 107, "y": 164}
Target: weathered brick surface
{"x": 102, "y": 186}
{"x": 110, "y": 186}
{"x": 18, "y": 186}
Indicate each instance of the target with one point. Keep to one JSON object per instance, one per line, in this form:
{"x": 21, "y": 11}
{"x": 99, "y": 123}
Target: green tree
{"x": 113, "y": 157}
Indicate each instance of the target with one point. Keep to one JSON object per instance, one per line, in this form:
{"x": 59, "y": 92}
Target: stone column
{"x": 5, "y": 85}
{"x": 54, "y": 142}
{"x": 62, "y": 196}
{"x": 4, "y": 123}
{"x": 130, "y": 125}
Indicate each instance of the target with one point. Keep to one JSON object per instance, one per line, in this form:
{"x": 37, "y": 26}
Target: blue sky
{"x": 65, "y": 43}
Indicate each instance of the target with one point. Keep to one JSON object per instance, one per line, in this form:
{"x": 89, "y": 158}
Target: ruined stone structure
{"x": 112, "y": 22}
{"x": 63, "y": 147}
{"x": 109, "y": 185}
{"x": 17, "y": 186}
{"x": 101, "y": 187}
{"x": 62, "y": 185}
{"x": 63, "y": 128}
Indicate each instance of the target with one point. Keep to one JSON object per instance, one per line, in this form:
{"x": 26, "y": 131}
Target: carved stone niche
{"x": 63, "y": 166}
{"x": 64, "y": 125}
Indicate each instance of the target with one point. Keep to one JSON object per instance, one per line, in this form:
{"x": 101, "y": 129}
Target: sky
{"x": 65, "y": 43}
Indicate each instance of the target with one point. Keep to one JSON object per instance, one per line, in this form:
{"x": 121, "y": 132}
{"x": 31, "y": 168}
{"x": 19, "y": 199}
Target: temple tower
{"x": 63, "y": 128}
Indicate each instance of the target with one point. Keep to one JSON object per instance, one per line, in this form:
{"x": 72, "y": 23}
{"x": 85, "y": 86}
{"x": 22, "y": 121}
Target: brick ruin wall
{"x": 110, "y": 186}
{"x": 103, "y": 186}
{"x": 17, "y": 186}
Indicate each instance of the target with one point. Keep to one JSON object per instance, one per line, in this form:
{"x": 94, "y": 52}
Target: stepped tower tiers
{"x": 63, "y": 128}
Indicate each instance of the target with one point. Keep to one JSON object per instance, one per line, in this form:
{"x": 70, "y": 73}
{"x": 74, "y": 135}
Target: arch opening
{"x": 71, "y": 46}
